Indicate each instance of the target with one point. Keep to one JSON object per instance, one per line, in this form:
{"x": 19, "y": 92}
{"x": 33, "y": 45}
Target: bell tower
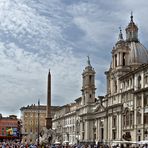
{"x": 119, "y": 64}
{"x": 88, "y": 86}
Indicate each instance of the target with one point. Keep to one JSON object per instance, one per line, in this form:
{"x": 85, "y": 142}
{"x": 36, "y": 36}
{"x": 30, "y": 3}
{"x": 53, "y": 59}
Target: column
{"x": 117, "y": 59}
{"x": 109, "y": 127}
{"x": 142, "y": 116}
{"x": 119, "y": 125}
{"x": 105, "y": 129}
{"x": 81, "y": 129}
{"x": 121, "y": 54}
{"x": 97, "y": 130}
{"x": 87, "y": 131}
{"x": 135, "y": 119}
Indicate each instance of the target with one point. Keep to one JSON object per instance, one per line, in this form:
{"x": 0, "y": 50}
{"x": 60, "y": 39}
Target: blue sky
{"x": 38, "y": 35}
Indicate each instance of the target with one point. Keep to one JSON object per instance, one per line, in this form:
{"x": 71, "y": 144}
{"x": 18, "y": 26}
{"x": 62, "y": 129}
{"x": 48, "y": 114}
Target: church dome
{"x": 138, "y": 53}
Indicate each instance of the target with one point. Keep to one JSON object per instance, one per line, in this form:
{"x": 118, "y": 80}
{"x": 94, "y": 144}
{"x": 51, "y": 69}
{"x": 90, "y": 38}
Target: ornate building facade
{"x": 122, "y": 114}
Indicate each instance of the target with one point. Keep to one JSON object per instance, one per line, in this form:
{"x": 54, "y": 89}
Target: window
{"x": 138, "y": 100}
{"x": 124, "y": 59}
{"x": 146, "y": 118}
{"x": 102, "y": 133}
{"x": 131, "y": 118}
{"x": 127, "y": 118}
{"x": 90, "y": 96}
{"x": 124, "y": 85}
{"x": 146, "y": 78}
{"x": 138, "y": 117}
{"x": 83, "y": 126}
{"x": 128, "y": 83}
{"x": 130, "y": 35}
{"x": 102, "y": 130}
{"x": 139, "y": 82}
{"x": 124, "y": 97}
{"x": 114, "y": 121}
{"x": 114, "y": 134}
{"x": 94, "y": 136}
{"x": 131, "y": 82}
{"x": 83, "y": 135}
{"x": 124, "y": 120}
{"x": 115, "y": 86}
{"x": 146, "y": 99}
{"x": 115, "y": 60}
{"x": 90, "y": 79}
{"x": 139, "y": 138}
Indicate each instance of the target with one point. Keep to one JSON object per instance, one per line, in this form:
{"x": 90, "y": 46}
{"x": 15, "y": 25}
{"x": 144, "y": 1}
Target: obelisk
{"x": 48, "y": 108}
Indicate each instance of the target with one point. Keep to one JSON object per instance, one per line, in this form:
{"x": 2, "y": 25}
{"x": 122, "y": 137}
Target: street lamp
{"x": 77, "y": 129}
{"x": 38, "y": 140}
{"x": 59, "y": 132}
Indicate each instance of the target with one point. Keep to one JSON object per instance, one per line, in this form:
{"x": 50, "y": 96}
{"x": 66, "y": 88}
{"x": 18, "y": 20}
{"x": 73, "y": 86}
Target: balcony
{"x": 128, "y": 127}
{"x": 114, "y": 126}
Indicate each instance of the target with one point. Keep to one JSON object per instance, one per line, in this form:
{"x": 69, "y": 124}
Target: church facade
{"x": 122, "y": 114}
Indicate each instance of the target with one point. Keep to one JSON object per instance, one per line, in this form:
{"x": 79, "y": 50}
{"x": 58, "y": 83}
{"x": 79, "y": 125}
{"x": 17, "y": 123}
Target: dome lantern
{"x": 132, "y": 31}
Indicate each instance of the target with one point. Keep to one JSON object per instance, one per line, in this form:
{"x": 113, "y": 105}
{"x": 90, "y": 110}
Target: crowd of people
{"x": 16, "y": 144}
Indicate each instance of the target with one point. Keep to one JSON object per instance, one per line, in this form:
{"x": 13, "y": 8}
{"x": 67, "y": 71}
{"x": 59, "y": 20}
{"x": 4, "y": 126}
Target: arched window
{"x": 115, "y": 60}
{"x": 131, "y": 82}
{"x": 90, "y": 79}
{"x": 123, "y": 59}
{"x": 139, "y": 82}
{"x": 115, "y": 86}
{"x": 90, "y": 96}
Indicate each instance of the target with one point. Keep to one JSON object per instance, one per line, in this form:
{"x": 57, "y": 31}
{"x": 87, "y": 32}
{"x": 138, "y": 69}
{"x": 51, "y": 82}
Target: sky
{"x": 38, "y": 35}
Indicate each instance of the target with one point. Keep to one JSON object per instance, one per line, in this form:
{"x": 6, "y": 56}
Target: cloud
{"x": 36, "y": 36}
